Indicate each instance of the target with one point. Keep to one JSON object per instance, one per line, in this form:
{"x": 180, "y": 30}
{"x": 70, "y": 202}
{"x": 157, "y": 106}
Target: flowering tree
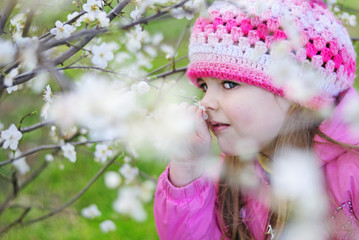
{"x": 101, "y": 92}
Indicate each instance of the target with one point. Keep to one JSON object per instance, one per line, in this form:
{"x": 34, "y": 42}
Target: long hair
{"x": 298, "y": 131}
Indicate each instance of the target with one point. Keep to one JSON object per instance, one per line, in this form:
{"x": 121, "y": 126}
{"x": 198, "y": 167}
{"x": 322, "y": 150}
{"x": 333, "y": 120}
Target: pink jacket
{"x": 191, "y": 212}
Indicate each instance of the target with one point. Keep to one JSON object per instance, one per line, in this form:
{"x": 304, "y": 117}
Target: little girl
{"x": 231, "y": 53}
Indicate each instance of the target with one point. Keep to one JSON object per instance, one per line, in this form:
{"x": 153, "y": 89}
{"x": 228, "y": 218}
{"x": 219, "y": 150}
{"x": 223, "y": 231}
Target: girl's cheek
{"x": 242, "y": 116}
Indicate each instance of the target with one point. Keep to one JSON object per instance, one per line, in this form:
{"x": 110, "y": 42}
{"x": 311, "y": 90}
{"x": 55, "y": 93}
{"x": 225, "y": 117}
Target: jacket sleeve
{"x": 343, "y": 184}
{"x": 187, "y": 212}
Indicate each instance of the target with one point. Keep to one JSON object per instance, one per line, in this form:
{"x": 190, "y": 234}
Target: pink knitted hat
{"x": 236, "y": 43}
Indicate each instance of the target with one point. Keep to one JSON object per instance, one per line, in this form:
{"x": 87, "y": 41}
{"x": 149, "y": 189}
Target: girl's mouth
{"x": 218, "y": 126}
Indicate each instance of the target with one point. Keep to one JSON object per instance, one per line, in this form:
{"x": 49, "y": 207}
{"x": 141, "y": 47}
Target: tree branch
{"x": 11, "y": 196}
{"x": 29, "y": 18}
{"x": 46, "y": 147}
{"x": 17, "y": 221}
{"x": 70, "y": 52}
{"x": 77, "y": 196}
{"x": 36, "y": 126}
{"x": 5, "y": 13}
{"x": 156, "y": 15}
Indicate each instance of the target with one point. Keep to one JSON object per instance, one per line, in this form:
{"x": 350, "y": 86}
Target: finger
{"x": 201, "y": 124}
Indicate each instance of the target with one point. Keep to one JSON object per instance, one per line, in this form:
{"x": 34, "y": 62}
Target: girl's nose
{"x": 210, "y": 101}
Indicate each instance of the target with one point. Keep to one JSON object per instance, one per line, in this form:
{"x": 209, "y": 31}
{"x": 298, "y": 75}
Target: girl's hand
{"x": 187, "y": 164}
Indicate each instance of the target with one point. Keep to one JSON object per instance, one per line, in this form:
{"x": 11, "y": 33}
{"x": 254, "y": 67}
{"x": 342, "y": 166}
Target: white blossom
{"x": 92, "y": 7}
{"x": 147, "y": 189}
{"x": 181, "y": 13}
{"x": 189, "y": 9}
{"x": 157, "y": 39}
{"x": 141, "y": 87}
{"x": 11, "y": 136}
{"x": 44, "y": 110}
{"x": 18, "y": 21}
{"x": 112, "y": 179}
{"x": 62, "y": 30}
{"x": 128, "y": 202}
{"x": 49, "y": 157}
{"x": 297, "y": 178}
{"x": 136, "y": 14}
{"x": 12, "y": 89}
{"x": 28, "y": 52}
{"x": 91, "y": 211}
{"x": 48, "y": 94}
{"x": 1, "y": 126}
{"x": 7, "y": 52}
{"x": 150, "y": 50}
{"x": 106, "y": 119}
{"x": 135, "y": 38}
{"x": 69, "y": 152}
{"x": 130, "y": 173}
{"x": 103, "y": 152}
{"x": 127, "y": 159}
{"x": 144, "y": 61}
{"x": 86, "y": 19}
{"x": 103, "y": 20}
{"x": 349, "y": 19}
{"x": 9, "y": 78}
{"x": 296, "y": 78}
{"x": 77, "y": 23}
{"x": 101, "y": 55}
{"x": 20, "y": 164}
{"x": 168, "y": 50}
{"x": 122, "y": 57}
{"x": 164, "y": 129}
{"x": 107, "y": 226}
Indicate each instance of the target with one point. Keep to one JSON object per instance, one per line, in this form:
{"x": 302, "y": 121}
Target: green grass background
{"x": 54, "y": 186}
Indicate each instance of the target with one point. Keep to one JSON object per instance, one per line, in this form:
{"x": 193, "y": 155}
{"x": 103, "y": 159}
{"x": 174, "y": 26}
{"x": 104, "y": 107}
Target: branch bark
{"x": 17, "y": 221}
{"x": 156, "y": 15}
{"x": 5, "y": 13}
{"x": 70, "y": 52}
{"x": 46, "y": 147}
{"x": 36, "y": 126}
{"x": 12, "y": 195}
{"x": 77, "y": 196}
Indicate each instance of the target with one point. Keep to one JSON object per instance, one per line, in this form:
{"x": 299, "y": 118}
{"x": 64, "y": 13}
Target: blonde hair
{"x": 298, "y": 131}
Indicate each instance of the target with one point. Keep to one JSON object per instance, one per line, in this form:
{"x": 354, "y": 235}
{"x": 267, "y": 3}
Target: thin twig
{"x": 36, "y": 126}
{"x": 164, "y": 66}
{"x": 147, "y": 176}
{"x": 75, "y": 36}
{"x": 5, "y": 13}
{"x": 77, "y": 196}
{"x": 16, "y": 221}
{"x": 154, "y": 16}
{"x": 5, "y": 178}
{"x": 89, "y": 67}
{"x": 46, "y": 147}
{"x": 29, "y": 18}
{"x": 70, "y": 52}
{"x": 61, "y": 79}
{"x": 165, "y": 74}
{"x": 68, "y": 22}
{"x": 177, "y": 46}
{"x": 11, "y": 195}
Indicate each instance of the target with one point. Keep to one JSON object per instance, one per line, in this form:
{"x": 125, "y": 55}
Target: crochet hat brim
{"x": 233, "y": 72}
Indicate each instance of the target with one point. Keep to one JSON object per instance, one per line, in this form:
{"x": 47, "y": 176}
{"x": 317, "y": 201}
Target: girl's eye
{"x": 203, "y": 86}
{"x": 229, "y": 84}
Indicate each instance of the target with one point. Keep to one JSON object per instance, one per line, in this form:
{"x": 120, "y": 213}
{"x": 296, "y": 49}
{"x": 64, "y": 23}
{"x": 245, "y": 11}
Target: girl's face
{"x": 239, "y": 114}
